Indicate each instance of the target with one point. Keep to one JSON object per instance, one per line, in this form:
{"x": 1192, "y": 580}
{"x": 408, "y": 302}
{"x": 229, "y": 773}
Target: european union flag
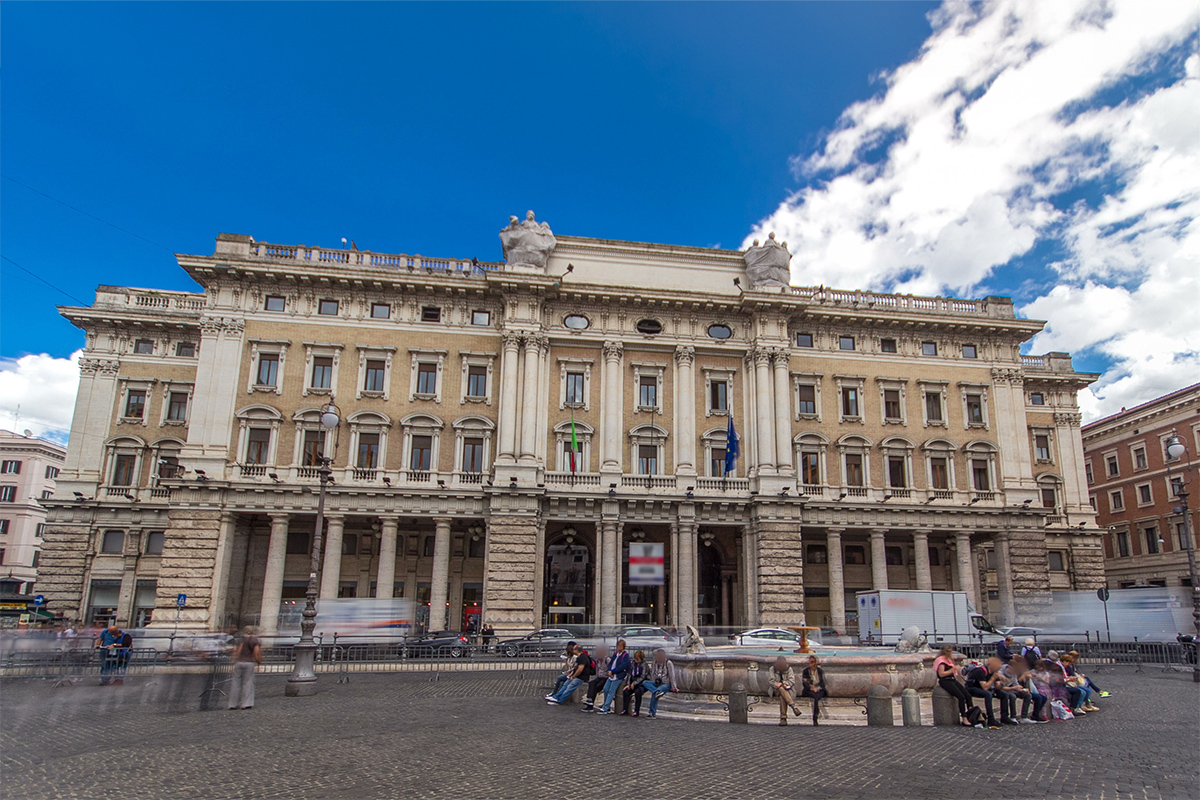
{"x": 733, "y": 446}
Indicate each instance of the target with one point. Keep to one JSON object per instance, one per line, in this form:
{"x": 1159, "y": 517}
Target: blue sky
{"x": 871, "y": 135}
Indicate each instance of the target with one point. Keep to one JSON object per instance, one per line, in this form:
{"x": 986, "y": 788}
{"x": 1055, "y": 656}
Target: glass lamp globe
{"x": 329, "y": 419}
{"x": 1176, "y": 447}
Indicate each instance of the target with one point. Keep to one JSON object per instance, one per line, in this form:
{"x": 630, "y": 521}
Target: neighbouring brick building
{"x": 29, "y": 469}
{"x": 886, "y": 440}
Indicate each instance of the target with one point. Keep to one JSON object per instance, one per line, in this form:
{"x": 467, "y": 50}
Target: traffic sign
{"x": 1103, "y": 594}
{"x": 646, "y": 563}
{"x": 39, "y": 600}
{"x": 180, "y": 600}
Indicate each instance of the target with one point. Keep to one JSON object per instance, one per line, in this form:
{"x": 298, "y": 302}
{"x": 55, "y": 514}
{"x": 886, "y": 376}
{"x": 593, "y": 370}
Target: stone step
{"x": 834, "y": 711}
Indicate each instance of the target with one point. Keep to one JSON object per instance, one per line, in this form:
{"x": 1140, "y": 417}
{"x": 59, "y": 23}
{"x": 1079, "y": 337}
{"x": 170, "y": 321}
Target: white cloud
{"x": 951, "y": 173}
{"x": 37, "y": 392}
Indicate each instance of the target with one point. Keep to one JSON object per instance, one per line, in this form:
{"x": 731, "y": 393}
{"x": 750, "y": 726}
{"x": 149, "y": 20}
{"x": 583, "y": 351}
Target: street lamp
{"x": 303, "y": 680}
{"x": 1176, "y": 451}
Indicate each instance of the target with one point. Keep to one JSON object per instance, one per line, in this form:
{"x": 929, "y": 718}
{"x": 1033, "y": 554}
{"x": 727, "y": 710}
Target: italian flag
{"x": 574, "y": 444}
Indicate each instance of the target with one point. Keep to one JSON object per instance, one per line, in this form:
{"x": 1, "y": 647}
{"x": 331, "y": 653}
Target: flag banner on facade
{"x": 733, "y": 445}
{"x": 574, "y": 443}
{"x": 646, "y": 563}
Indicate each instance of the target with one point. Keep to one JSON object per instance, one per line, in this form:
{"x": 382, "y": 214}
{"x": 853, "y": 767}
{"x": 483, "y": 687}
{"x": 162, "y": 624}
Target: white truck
{"x": 941, "y": 616}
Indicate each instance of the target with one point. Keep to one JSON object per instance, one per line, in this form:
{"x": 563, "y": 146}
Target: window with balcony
{"x": 258, "y": 446}
{"x": 1049, "y": 497}
{"x": 897, "y": 474}
{"x": 647, "y": 459}
{"x": 368, "y": 451}
{"x": 177, "y": 403}
{"x": 854, "y": 470}
{"x": 981, "y": 475}
{"x": 124, "y": 465}
{"x": 374, "y": 379}
{"x": 327, "y": 307}
{"x": 421, "y": 454}
{"x": 312, "y": 448}
{"x": 135, "y": 404}
{"x": 939, "y": 473}
{"x": 472, "y": 455}
{"x": 810, "y": 468}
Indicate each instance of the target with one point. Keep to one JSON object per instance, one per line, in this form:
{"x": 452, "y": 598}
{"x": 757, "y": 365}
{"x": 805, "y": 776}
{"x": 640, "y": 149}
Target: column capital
{"x": 685, "y": 355}
{"x": 442, "y": 522}
{"x": 537, "y": 341}
{"x": 279, "y": 518}
{"x": 923, "y": 533}
{"x": 878, "y": 534}
{"x": 613, "y": 350}
{"x": 511, "y": 340}
{"x": 762, "y": 357}
{"x": 392, "y": 522}
{"x": 834, "y": 531}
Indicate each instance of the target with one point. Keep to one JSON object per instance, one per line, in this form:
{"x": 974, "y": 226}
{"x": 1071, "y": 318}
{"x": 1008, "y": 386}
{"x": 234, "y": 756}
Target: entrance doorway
{"x": 569, "y": 580}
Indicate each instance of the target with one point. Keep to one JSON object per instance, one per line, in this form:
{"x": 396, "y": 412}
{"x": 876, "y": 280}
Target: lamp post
{"x": 1176, "y": 451}
{"x": 303, "y": 680}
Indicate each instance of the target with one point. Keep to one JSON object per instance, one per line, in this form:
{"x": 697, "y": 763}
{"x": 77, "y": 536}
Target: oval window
{"x": 719, "y": 331}
{"x": 649, "y": 326}
{"x": 576, "y": 321}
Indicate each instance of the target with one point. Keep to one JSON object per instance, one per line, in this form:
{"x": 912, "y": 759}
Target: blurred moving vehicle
{"x": 767, "y": 637}
{"x": 437, "y": 644}
{"x": 548, "y": 641}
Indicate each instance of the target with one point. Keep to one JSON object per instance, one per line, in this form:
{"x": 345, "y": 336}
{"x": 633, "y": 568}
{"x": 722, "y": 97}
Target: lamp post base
{"x": 303, "y": 680}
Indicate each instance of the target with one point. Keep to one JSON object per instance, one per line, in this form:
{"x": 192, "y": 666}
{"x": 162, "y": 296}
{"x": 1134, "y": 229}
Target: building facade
{"x": 1126, "y": 464}
{"x": 29, "y": 469}
{"x": 508, "y": 429}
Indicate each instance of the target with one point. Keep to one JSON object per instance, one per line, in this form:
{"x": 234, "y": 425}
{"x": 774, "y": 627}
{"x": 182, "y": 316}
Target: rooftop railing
{"x": 365, "y": 258}
{"x": 902, "y": 302}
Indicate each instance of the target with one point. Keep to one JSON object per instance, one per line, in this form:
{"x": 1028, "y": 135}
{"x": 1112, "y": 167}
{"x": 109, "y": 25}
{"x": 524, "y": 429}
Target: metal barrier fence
{"x": 1172, "y": 656}
{"x": 70, "y": 666}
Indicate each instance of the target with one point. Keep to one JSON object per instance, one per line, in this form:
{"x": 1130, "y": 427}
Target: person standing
{"x": 813, "y": 681}
{"x": 1031, "y": 652}
{"x": 618, "y": 670}
{"x": 247, "y": 656}
{"x": 1004, "y": 649}
{"x": 108, "y": 643}
{"x": 660, "y": 681}
{"x": 781, "y": 683}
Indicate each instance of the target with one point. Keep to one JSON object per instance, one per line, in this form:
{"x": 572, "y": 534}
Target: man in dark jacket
{"x": 619, "y": 664}
{"x": 1004, "y": 649}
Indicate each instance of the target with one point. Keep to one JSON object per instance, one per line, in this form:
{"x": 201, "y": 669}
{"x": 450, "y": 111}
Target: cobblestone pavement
{"x": 490, "y": 735}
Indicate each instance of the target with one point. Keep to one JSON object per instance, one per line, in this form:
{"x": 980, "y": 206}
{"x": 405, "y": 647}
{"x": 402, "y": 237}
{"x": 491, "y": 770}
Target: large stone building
{"x": 1126, "y": 462}
{"x": 29, "y": 469}
{"x": 885, "y": 440}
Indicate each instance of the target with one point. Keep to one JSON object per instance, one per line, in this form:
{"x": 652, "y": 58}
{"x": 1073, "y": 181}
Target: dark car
{"x": 437, "y": 644}
{"x": 548, "y": 641}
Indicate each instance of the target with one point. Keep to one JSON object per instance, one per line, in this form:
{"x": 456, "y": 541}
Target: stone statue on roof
{"x": 769, "y": 264}
{"x": 528, "y": 243}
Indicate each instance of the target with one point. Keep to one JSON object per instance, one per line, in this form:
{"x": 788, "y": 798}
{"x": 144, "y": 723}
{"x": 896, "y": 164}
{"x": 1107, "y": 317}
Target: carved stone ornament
{"x": 768, "y": 265}
{"x": 528, "y": 243}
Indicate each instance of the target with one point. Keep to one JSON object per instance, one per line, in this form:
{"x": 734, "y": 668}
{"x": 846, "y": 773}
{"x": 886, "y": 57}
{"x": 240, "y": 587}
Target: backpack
{"x": 974, "y": 715}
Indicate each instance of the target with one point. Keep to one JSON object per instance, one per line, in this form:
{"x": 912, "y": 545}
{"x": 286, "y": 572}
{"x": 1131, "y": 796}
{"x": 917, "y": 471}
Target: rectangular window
{"x": 1049, "y": 498}
{"x": 718, "y": 396}
{"x": 1116, "y": 500}
{"x": 846, "y": 342}
{"x": 887, "y": 346}
{"x": 849, "y": 402}
{"x": 472, "y": 460}
{"x": 177, "y": 407}
{"x": 816, "y": 554}
{"x": 135, "y": 404}
{"x": 322, "y": 372}
{"x": 933, "y": 406}
{"x": 154, "y": 543}
{"x": 854, "y": 469}
{"x": 373, "y": 380}
{"x": 1037, "y": 399}
{"x": 891, "y": 404}
{"x": 1144, "y": 495}
{"x": 979, "y": 474}
{"x": 328, "y": 308}
{"x": 4, "y": 527}
{"x": 421, "y": 458}
{"x": 856, "y": 554}
{"x": 648, "y": 393}
{"x": 123, "y": 470}
{"x": 810, "y": 469}
{"x": 258, "y": 445}
{"x": 896, "y": 477}
{"x": 1056, "y": 561}
{"x": 975, "y": 409}
{"x": 1123, "y": 544}
{"x": 313, "y": 448}
{"x": 185, "y": 349}
{"x": 427, "y": 379}
{"x": 275, "y": 303}
{"x": 929, "y": 348}
{"x": 8, "y": 494}
{"x": 144, "y": 347}
{"x": 297, "y": 543}
{"x": 112, "y": 542}
{"x": 481, "y": 318}
{"x": 477, "y": 382}
{"x": 268, "y": 369}
{"x": 716, "y": 462}
{"x": 893, "y": 556}
{"x": 1087, "y": 471}
{"x": 969, "y": 351}
{"x": 1139, "y": 458}
{"x": 10, "y": 467}
{"x": 808, "y": 399}
{"x": 1041, "y": 447}
{"x": 1114, "y": 468}
{"x": 1151, "y": 534}
{"x": 804, "y": 340}
{"x": 431, "y": 314}
{"x": 574, "y": 389}
{"x": 381, "y": 311}
{"x": 939, "y": 473}
{"x": 368, "y": 451}
{"x": 647, "y": 459}
{"x": 1181, "y": 536}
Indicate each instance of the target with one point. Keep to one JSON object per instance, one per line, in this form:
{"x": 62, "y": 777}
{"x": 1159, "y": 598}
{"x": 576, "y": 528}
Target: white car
{"x": 768, "y": 637}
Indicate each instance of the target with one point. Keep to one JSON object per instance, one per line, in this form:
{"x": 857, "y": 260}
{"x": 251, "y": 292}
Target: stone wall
{"x": 512, "y": 574}
{"x": 780, "y": 565}
{"x": 1087, "y": 561}
{"x": 63, "y": 567}
{"x": 1030, "y": 578}
{"x": 189, "y": 555}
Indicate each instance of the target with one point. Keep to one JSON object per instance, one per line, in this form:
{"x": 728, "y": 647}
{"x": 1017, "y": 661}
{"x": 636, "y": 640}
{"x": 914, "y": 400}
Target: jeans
{"x": 1008, "y": 703}
{"x": 109, "y": 665}
{"x": 610, "y": 691}
{"x": 1038, "y": 700}
{"x": 1074, "y": 697}
{"x": 975, "y": 691}
{"x": 570, "y": 686}
{"x": 558, "y": 683}
{"x": 656, "y": 691}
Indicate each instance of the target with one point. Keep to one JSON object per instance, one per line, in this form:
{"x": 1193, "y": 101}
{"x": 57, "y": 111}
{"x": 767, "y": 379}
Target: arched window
{"x": 897, "y": 465}
{"x": 472, "y": 448}
{"x": 982, "y": 469}
{"x": 854, "y": 453}
{"x": 811, "y": 468}
{"x": 422, "y": 437}
{"x": 258, "y": 439}
{"x": 368, "y": 443}
{"x": 646, "y": 449}
{"x": 124, "y": 455}
{"x": 939, "y": 468}
{"x": 562, "y": 446}
{"x": 716, "y": 442}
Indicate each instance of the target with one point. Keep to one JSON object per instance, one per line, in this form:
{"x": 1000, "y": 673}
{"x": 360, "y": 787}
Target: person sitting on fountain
{"x": 660, "y": 681}
{"x": 568, "y": 660}
{"x": 638, "y": 674}
{"x": 782, "y": 682}
{"x": 813, "y": 679}
{"x": 947, "y": 676}
{"x": 982, "y": 682}
{"x": 596, "y": 684}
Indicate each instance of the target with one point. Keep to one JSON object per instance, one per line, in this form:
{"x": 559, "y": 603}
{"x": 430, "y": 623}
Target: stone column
{"x": 1004, "y": 579}
{"x": 837, "y": 583}
{"x": 921, "y": 554}
{"x": 530, "y": 401}
{"x": 685, "y": 409}
{"x": 610, "y": 575}
{"x": 783, "y": 414}
{"x": 221, "y": 566}
{"x": 386, "y": 580}
{"x": 764, "y": 410}
{"x": 675, "y": 619}
{"x": 273, "y": 579}
{"x": 440, "y": 582}
{"x": 508, "y": 398}
{"x": 966, "y": 566}
{"x": 879, "y": 576}
{"x": 331, "y": 569}
{"x": 610, "y": 436}
{"x": 687, "y": 572}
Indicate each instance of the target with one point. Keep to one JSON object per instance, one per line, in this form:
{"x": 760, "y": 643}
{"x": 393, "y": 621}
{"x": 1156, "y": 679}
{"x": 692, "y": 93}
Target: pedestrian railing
{"x": 1172, "y": 655}
{"x": 69, "y": 666}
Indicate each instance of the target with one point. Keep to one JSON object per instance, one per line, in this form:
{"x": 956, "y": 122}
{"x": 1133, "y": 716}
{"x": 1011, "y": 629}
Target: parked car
{"x": 437, "y": 644}
{"x": 766, "y": 637}
{"x": 643, "y": 637}
{"x": 548, "y": 641}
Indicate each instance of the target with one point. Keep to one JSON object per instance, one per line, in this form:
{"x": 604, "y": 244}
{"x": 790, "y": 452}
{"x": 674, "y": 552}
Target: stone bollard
{"x": 945, "y": 708}
{"x": 910, "y": 708}
{"x": 879, "y": 707}
{"x": 738, "y": 711}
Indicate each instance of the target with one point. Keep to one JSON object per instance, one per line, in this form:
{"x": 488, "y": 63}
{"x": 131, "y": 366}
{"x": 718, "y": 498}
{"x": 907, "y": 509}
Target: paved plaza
{"x": 475, "y": 735}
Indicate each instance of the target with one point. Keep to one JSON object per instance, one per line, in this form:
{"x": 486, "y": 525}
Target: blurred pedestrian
{"x": 107, "y": 643}
{"x": 247, "y": 656}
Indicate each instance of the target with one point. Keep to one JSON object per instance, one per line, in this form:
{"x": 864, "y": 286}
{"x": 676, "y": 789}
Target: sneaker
{"x": 1008, "y": 722}
{"x": 1091, "y": 707}
{"x": 1024, "y": 721}
{"x": 552, "y": 701}
{"x": 1106, "y": 694}
{"x": 979, "y": 725}
{"x": 548, "y": 697}
{"x": 602, "y": 711}
{"x": 652, "y": 716}
{"x": 587, "y": 709}
{"x": 636, "y": 714}
{"x": 1079, "y": 712}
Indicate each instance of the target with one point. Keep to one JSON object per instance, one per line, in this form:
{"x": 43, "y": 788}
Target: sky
{"x": 1044, "y": 151}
